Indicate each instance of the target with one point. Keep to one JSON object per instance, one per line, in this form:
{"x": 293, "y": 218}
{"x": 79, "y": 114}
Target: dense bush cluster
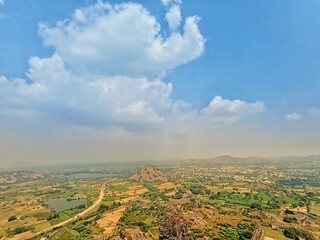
{"x": 12, "y": 218}
{"x": 296, "y": 233}
{"x": 241, "y": 232}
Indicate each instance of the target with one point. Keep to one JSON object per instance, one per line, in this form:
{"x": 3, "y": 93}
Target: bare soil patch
{"x": 109, "y": 221}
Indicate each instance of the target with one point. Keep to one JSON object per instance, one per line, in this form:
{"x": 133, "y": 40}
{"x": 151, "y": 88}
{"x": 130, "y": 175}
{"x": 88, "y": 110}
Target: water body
{"x": 61, "y": 204}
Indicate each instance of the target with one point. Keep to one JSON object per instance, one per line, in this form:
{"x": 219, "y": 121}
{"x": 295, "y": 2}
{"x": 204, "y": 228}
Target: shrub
{"x": 287, "y": 211}
{"x": 296, "y": 233}
{"x": 290, "y": 219}
{"x": 12, "y": 218}
{"x": 19, "y": 230}
{"x": 256, "y": 205}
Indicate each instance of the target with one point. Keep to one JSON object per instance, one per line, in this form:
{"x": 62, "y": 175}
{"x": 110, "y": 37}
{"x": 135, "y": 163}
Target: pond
{"x": 61, "y": 204}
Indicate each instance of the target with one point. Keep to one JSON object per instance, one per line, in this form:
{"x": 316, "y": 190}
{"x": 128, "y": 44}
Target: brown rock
{"x": 149, "y": 174}
{"x": 174, "y": 227}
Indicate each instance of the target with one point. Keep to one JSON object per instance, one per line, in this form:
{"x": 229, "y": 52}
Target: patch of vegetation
{"x": 287, "y": 211}
{"x": 296, "y": 233}
{"x": 179, "y": 194}
{"x": 242, "y": 231}
{"x": 290, "y": 219}
{"x": 146, "y": 217}
{"x": 12, "y": 218}
{"x": 198, "y": 189}
{"x": 18, "y": 230}
{"x": 256, "y": 205}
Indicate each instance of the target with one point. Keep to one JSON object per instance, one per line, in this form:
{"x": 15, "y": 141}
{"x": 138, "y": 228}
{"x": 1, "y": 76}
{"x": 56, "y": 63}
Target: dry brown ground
{"x": 22, "y": 236}
{"x": 109, "y": 221}
{"x": 128, "y": 199}
{"x": 169, "y": 194}
{"x": 5, "y": 214}
{"x": 301, "y": 209}
{"x": 121, "y": 183}
{"x": 136, "y": 191}
{"x": 135, "y": 187}
{"x": 179, "y": 201}
{"x": 239, "y": 189}
{"x": 163, "y": 186}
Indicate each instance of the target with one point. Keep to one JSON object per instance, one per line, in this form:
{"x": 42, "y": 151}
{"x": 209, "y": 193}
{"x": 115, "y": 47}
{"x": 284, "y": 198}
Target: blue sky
{"x": 242, "y": 78}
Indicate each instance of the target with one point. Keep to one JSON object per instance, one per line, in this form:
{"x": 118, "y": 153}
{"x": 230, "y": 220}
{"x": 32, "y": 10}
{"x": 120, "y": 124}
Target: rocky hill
{"x": 174, "y": 226}
{"x": 149, "y": 174}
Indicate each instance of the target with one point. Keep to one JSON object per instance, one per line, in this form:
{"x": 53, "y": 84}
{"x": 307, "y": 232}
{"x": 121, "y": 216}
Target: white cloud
{"x": 49, "y": 71}
{"x": 104, "y": 67}
{"x": 293, "y": 116}
{"x": 225, "y": 110}
{"x": 134, "y": 99}
{"x": 2, "y": 2}
{"x": 173, "y": 16}
{"x": 314, "y": 111}
{"x": 83, "y": 100}
{"x": 103, "y": 72}
{"x": 168, "y": 2}
{"x": 123, "y": 39}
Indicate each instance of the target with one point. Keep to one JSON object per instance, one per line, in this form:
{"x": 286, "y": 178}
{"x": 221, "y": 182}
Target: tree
{"x": 287, "y": 211}
{"x": 12, "y": 218}
{"x": 290, "y": 219}
{"x": 296, "y": 233}
{"x": 256, "y": 205}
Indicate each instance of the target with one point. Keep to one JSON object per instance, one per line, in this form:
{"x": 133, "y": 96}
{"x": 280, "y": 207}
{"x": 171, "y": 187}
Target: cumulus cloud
{"x": 314, "y": 111}
{"x": 106, "y": 71}
{"x": 173, "y": 16}
{"x": 48, "y": 71}
{"x": 168, "y": 2}
{"x": 79, "y": 100}
{"x": 104, "y": 68}
{"x": 135, "y": 98}
{"x": 225, "y": 110}
{"x": 123, "y": 39}
{"x": 293, "y": 116}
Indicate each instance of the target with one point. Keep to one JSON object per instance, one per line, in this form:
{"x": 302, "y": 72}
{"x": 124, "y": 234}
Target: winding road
{"x": 80, "y": 215}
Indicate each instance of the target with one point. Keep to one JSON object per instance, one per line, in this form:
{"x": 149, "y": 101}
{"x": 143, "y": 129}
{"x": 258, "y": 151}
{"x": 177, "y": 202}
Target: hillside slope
{"x": 149, "y": 174}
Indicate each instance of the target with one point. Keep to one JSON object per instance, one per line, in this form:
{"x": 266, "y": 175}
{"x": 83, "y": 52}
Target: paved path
{"x": 80, "y": 215}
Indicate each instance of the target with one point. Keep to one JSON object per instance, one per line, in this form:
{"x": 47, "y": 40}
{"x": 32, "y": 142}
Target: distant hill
{"x": 19, "y": 176}
{"x": 227, "y": 160}
{"x": 149, "y": 174}
{"x": 310, "y": 158}
{"x": 230, "y": 159}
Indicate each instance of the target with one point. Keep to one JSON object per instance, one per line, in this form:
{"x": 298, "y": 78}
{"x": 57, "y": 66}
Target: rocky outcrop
{"x": 149, "y": 174}
{"x": 174, "y": 227}
{"x": 133, "y": 233}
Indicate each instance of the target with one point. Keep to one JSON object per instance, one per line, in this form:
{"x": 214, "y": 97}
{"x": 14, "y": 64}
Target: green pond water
{"x": 61, "y": 204}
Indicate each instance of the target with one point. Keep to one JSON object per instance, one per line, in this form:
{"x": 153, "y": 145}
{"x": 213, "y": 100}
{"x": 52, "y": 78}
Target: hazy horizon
{"x": 103, "y": 81}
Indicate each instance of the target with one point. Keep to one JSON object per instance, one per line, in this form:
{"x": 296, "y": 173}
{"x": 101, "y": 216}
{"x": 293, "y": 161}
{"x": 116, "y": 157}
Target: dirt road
{"x": 82, "y": 214}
